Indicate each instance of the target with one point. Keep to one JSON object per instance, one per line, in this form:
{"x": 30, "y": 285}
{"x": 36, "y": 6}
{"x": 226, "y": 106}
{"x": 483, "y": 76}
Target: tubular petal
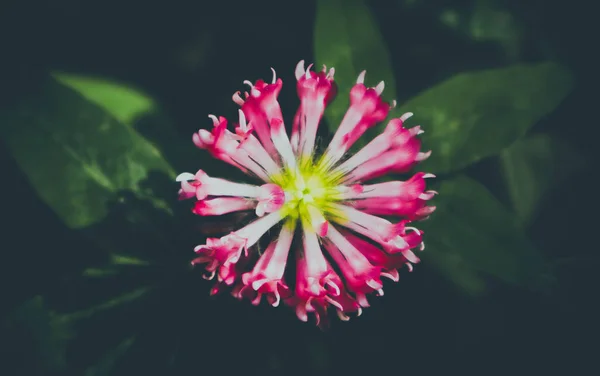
{"x": 326, "y": 195}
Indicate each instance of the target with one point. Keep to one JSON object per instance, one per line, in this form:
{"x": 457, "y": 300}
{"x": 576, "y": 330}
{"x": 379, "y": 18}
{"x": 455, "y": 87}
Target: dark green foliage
{"x": 101, "y": 283}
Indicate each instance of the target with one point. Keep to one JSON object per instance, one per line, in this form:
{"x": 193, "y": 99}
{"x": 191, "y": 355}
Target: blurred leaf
{"x": 471, "y": 235}
{"x": 475, "y": 115}
{"x": 107, "y": 364}
{"x": 110, "y": 304}
{"x": 99, "y": 272}
{"x": 131, "y": 107}
{"x": 532, "y": 166}
{"x": 490, "y": 22}
{"x": 450, "y": 18}
{"x": 486, "y": 22}
{"x": 347, "y": 38}
{"x": 42, "y": 332}
{"x": 127, "y": 260}
{"x": 76, "y": 155}
{"x": 195, "y": 54}
{"x": 124, "y": 103}
{"x": 106, "y": 329}
{"x": 117, "y": 263}
{"x": 135, "y": 108}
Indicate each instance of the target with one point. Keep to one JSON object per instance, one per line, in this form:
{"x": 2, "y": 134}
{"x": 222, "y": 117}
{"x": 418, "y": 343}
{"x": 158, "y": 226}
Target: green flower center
{"x": 308, "y": 188}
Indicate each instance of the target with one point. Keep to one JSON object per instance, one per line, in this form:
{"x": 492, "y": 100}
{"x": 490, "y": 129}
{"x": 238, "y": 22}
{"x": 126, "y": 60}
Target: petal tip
{"x": 185, "y": 176}
{"x": 361, "y": 77}
{"x": 299, "y": 69}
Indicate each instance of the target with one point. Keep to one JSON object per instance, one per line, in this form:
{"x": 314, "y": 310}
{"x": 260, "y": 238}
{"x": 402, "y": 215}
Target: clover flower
{"x": 319, "y": 240}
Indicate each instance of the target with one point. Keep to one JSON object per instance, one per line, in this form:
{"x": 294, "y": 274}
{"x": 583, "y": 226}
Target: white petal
{"x": 185, "y": 176}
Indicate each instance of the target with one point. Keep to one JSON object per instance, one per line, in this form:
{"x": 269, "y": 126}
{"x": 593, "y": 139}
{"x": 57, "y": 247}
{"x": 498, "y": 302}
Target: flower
{"x": 322, "y": 214}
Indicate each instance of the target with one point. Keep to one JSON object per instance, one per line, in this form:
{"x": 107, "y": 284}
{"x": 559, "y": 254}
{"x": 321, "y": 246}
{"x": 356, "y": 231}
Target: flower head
{"x": 322, "y": 215}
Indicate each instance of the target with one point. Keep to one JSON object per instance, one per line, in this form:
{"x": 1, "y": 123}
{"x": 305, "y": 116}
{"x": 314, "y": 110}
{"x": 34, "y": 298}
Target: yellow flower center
{"x": 307, "y": 188}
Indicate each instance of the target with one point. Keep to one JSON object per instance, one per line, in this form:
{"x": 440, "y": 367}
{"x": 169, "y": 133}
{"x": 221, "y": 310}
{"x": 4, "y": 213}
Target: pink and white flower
{"x": 316, "y": 203}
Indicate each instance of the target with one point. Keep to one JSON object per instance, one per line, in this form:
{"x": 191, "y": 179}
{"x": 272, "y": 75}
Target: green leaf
{"x": 486, "y": 21}
{"x": 475, "y": 115}
{"x": 138, "y": 110}
{"x": 346, "y": 37}
{"x": 100, "y": 272}
{"x": 108, "y": 362}
{"x": 124, "y": 103}
{"x": 532, "y": 166}
{"x": 489, "y": 22}
{"x": 125, "y": 298}
{"x": 127, "y": 260}
{"x": 472, "y": 235}
{"x": 116, "y": 264}
{"x": 42, "y": 333}
{"x": 77, "y": 155}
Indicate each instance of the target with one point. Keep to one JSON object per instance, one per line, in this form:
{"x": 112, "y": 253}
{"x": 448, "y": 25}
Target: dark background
{"x": 191, "y": 56}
